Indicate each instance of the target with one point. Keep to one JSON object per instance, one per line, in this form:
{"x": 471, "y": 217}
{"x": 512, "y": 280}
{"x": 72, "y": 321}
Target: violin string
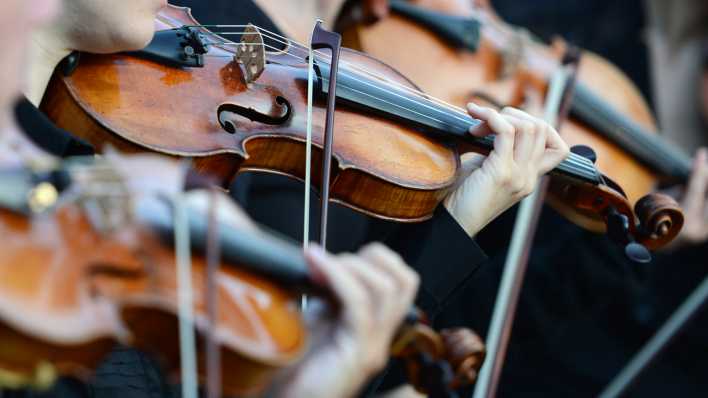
{"x": 384, "y": 81}
{"x": 289, "y": 42}
{"x": 577, "y": 163}
{"x": 369, "y": 84}
{"x": 578, "y": 160}
{"x": 352, "y": 66}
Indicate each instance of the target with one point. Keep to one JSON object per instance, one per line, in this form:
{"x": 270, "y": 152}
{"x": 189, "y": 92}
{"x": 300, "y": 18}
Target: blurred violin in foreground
{"x": 86, "y": 263}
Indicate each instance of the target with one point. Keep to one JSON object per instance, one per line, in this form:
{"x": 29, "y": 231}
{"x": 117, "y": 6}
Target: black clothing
{"x": 584, "y": 309}
{"x": 45, "y": 134}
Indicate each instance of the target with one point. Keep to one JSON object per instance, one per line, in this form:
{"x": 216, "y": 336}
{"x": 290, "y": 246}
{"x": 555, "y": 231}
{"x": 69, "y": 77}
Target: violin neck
{"x": 438, "y": 120}
{"x": 655, "y": 152}
{"x": 274, "y": 258}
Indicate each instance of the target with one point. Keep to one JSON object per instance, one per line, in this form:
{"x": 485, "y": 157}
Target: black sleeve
{"x": 442, "y": 253}
{"x": 46, "y": 135}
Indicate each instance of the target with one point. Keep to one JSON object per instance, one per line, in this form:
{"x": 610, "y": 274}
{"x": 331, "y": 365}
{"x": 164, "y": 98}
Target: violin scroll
{"x": 466, "y": 352}
{"x": 438, "y": 363}
{"x": 661, "y": 219}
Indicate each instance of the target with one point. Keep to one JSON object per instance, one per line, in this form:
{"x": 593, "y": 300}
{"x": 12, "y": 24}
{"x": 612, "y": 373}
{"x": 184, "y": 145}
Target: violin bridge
{"x": 105, "y": 198}
{"x": 514, "y": 55}
{"x": 251, "y": 53}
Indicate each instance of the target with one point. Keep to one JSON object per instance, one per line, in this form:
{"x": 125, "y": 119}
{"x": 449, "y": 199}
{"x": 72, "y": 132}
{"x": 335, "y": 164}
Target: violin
{"x": 236, "y": 107}
{"x": 74, "y": 281}
{"x": 461, "y": 51}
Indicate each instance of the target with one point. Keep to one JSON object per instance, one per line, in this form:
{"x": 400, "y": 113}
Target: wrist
{"x": 465, "y": 219}
{"x": 472, "y": 218}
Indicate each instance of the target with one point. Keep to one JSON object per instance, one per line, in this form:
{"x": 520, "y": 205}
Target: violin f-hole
{"x": 277, "y": 113}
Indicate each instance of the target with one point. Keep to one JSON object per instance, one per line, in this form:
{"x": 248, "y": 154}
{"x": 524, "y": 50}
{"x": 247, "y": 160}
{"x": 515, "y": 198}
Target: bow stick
{"x": 187, "y": 341}
{"x": 663, "y": 337}
{"x": 521, "y": 241}
{"x": 322, "y": 38}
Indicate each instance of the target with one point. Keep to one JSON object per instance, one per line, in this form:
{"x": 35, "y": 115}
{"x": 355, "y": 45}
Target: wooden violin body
{"x": 382, "y": 168}
{"x": 396, "y": 150}
{"x": 504, "y": 63}
{"x": 75, "y": 283}
{"x": 69, "y": 294}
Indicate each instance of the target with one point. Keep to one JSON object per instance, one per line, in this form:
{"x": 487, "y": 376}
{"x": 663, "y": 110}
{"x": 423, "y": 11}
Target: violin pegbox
{"x": 251, "y": 53}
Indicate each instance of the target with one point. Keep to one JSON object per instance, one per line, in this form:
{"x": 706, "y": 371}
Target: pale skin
{"x": 20, "y": 17}
{"x": 695, "y": 202}
{"x": 693, "y": 197}
{"x": 676, "y": 43}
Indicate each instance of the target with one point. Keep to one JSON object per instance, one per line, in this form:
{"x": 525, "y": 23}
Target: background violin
{"x": 460, "y": 51}
{"x": 396, "y": 148}
{"x": 75, "y": 282}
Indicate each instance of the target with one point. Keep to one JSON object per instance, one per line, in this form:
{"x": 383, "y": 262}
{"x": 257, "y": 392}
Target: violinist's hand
{"x": 375, "y": 289}
{"x": 694, "y": 202}
{"x": 525, "y": 148}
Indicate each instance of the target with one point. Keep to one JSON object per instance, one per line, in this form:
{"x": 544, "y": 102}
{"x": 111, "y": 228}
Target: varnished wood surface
{"x": 139, "y": 105}
{"x": 68, "y": 294}
{"x": 459, "y": 76}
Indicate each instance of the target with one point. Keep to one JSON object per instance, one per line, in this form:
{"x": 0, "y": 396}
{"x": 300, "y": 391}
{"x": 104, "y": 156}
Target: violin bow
{"x": 555, "y": 110}
{"x": 183, "y": 243}
{"x": 322, "y": 39}
{"x": 643, "y": 359}
{"x": 213, "y": 258}
{"x": 185, "y": 306}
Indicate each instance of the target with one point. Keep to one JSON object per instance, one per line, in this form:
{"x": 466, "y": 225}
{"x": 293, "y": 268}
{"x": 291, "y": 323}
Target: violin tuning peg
{"x": 69, "y": 64}
{"x": 617, "y": 226}
{"x": 637, "y": 253}
{"x": 618, "y": 230}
